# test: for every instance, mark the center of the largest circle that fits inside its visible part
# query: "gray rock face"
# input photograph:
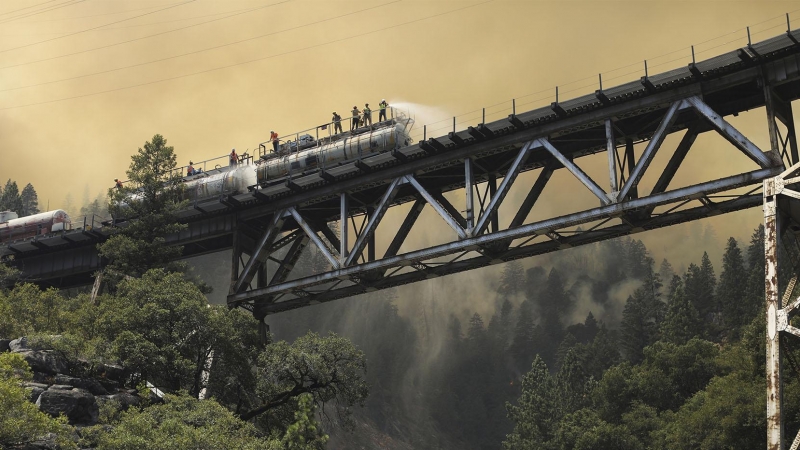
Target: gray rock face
(19, 344)
(111, 372)
(4, 347)
(35, 389)
(45, 361)
(78, 405)
(89, 384)
(124, 399)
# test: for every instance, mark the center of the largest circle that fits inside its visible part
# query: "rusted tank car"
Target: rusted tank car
(13, 228)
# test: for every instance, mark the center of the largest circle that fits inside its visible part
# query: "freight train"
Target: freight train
(302, 156)
(13, 228)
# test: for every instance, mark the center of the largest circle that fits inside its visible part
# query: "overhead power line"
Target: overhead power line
(94, 28)
(143, 37)
(41, 11)
(202, 50)
(323, 44)
(27, 7)
(138, 25)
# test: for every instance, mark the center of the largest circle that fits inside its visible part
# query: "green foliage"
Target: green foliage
(728, 414)
(29, 201)
(147, 204)
(328, 368)
(536, 415)
(21, 421)
(304, 433)
(10, 199)
(181, 423)
(682, 322)
(161, 328)
(26, 309)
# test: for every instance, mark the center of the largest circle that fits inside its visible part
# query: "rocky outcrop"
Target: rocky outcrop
(56, 391)
(78, 405)
(90, 384)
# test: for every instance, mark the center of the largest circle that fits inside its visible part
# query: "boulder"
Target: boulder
(45, 361)
(78, 405)
(124, 399)
(19, 344)
(4, 347)
(35, 389)
(111, 372)
(89, 384)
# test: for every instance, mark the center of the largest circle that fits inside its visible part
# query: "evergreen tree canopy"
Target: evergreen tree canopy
(682, 322)
(10, 199)
(150, 215)
(29, 201)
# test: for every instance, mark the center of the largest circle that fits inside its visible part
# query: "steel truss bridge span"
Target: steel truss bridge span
(485, 162)
(270, 227)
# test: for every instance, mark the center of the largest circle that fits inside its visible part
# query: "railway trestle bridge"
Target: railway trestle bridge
(341, 211)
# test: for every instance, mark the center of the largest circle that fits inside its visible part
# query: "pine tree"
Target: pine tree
(30, 201)
(709, 287)
(512, 280)
(731, 292)
(522, 346)
(699, 286)
(11, 200)
(665, 271)
(537, 414)
(682, 322)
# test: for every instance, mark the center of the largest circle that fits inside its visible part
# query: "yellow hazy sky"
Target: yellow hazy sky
(84, 83)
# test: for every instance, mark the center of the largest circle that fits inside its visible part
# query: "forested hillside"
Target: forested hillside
(599, 347)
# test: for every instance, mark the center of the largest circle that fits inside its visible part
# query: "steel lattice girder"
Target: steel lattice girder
(349, 278)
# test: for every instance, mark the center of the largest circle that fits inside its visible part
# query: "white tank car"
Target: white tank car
(34, 225)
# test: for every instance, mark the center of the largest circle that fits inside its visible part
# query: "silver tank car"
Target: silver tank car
(313, 155)
(329, 152)
(34, 225)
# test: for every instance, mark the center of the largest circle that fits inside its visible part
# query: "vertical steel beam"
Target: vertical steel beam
(575, 170)
(792, 134)
(236, 253)
(611, 149)
(773, 305)
(772, 125)
(629, 160)
(344, 213)
(491, 183)
(469, 182)
(651, 149)
(371, 238)
(505, 186)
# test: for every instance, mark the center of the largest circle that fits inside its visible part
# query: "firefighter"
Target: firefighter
(367, 115)
(273, 136)
(233, 158)
(337, 123)
(382, 113)
(356, 117)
